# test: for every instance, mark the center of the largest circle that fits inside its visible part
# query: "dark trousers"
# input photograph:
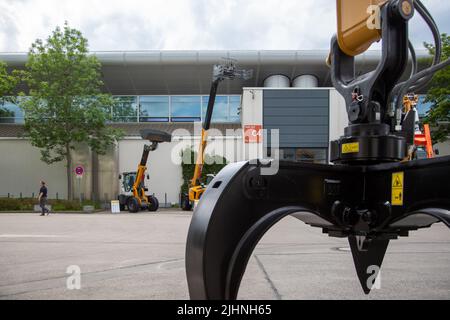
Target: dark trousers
(42, 204)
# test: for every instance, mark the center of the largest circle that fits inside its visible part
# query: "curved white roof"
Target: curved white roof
(189, 72)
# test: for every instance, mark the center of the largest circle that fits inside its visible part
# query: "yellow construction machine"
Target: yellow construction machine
(221, 72)
(134, 193)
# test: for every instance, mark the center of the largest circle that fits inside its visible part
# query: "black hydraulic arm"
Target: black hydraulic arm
(155, 137)
(227, 71)
(145, 153)
(370, 129)
(368, 195)
(211, 101)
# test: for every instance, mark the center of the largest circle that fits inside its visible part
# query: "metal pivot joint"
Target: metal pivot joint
(366, 96)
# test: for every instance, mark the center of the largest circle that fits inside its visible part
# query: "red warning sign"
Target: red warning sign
(253, 133)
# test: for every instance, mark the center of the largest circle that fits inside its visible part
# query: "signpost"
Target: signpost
(79, 171)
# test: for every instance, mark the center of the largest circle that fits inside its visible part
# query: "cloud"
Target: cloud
(189, 25)
(419, 31)
(9, 29)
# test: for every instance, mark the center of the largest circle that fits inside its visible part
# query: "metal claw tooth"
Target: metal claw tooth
(367, 255)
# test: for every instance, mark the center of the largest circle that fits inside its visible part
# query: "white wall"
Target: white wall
(444, 148)
(338, 115)
(21, 170)
(338, 119)
(252, 114)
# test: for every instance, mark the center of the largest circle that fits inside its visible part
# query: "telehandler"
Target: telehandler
(134, 193)
(221, 72)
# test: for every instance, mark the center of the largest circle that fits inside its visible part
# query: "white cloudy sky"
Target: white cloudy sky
(187, 24)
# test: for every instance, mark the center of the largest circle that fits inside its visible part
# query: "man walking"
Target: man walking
(43, 199)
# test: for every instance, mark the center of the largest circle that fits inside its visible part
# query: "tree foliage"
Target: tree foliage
(213, 164)
(8, 83)
(65, 105)
(438, 94)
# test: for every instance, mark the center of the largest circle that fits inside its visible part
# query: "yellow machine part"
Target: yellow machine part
(200, 158)
(354, 35)
(196, 192)
(409, 101)
(139, 193)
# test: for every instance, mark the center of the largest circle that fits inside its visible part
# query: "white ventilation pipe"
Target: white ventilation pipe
(305, 81)
(277, 81)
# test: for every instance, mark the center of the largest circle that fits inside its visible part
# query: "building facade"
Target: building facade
(290, 93)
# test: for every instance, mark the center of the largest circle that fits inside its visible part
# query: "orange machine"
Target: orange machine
(422, 138)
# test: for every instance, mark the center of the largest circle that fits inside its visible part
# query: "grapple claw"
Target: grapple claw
(241, 204)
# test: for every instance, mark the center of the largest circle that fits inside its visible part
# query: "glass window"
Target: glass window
(220, 111)
(310, 155)
(175, 109)
(125, 109)
(153, 109)
(287, 154)
(186, 108)
(10, 113)
(423, 107)
(235, 112)
(303, 155)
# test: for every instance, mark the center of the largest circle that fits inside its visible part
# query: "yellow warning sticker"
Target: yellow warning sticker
(397, 197)
(352, 147)
(397, 180)
(397, 189)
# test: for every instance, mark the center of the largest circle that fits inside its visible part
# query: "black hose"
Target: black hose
(424, 73)
(420, 82)
(414, 68)
(412, 52)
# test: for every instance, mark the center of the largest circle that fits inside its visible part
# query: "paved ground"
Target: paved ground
(142, 257)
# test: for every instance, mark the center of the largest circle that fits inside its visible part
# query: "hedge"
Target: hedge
(216, 163)
(27, 204)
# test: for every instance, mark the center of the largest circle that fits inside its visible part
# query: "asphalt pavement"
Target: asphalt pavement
(141, 256)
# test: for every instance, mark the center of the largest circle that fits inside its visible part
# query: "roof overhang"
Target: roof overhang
(190, 72)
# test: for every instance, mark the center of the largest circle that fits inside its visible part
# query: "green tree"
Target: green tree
(8, 83)
(438, 94)
(66, 106)
(5, 114)
(212, 165)
(125, 109)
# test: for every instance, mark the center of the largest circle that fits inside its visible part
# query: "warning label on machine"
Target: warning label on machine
(397, 189)
(352, 147)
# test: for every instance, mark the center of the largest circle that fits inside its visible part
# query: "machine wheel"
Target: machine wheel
(153, 204)
(123, 201)
(185, 203)
(133, 205)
